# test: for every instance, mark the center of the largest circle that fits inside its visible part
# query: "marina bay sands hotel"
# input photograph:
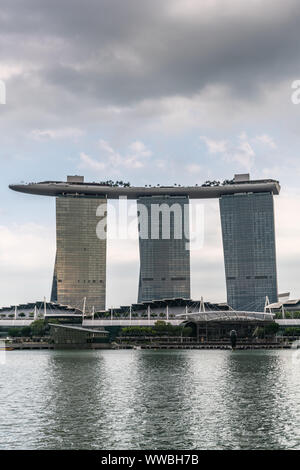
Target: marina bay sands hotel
(247, 220)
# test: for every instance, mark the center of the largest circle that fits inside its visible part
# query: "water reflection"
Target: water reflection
(162, 389)
(258, 400)
(150, 399)
(91, 400)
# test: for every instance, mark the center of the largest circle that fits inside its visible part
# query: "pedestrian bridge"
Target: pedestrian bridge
(126, 322)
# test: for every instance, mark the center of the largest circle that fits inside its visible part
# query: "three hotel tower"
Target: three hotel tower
(247, 220)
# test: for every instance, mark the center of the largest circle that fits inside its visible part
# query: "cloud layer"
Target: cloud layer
(178, 91)
(118, 54)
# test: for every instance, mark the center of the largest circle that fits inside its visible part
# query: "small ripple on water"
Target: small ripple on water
(149, 399)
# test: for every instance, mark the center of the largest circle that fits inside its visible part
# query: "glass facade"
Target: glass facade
(80, 265)
(164, 247)
(249, 249)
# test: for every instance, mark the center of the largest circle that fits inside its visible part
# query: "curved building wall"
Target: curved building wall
(80, 267)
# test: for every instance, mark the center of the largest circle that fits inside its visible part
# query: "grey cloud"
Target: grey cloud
(123, 52)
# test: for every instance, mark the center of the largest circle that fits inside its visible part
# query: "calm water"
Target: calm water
(150, 399)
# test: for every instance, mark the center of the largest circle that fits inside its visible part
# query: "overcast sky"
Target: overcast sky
(173, 91)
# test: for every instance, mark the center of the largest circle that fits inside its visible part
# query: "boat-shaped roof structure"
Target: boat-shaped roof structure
(75, 186)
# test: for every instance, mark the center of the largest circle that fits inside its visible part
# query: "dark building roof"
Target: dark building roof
(40, 305)
(174, 302)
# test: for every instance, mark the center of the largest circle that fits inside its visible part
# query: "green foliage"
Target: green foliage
(288, 315)
(14, 332)
(187, 331)
(39, 328)
(161, 328)
(137, 331)
(268, 330)
(259, 332)
(211, 183)
(272, 329)
(114, 183)
(292, 331)
(26, 331)
(17, 332)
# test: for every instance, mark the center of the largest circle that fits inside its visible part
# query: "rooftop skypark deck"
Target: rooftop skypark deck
(76, 186)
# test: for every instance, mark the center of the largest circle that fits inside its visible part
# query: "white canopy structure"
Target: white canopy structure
(226, 315)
